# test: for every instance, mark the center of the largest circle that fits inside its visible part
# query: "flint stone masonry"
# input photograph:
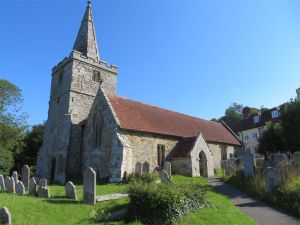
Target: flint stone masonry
(102, 198)
(271, 179)
(26, 176)
(70, 190)
(20, 189)
(32, 186)
(2, 182)
(89, 186)
(5, 217)
(15, 176)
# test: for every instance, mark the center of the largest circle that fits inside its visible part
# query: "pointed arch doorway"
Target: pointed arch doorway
(203, 164)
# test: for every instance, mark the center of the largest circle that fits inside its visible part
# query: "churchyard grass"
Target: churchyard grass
(28, 210)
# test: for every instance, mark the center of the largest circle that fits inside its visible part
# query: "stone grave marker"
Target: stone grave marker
(164, 177)
(43, 192)
(5, 217)
(89, 186)
(43, 182)
(271, 179)
(279, 158)
(20, 188)
(249, 164)
(32, 186)
(168, 168)
(70, 190)
(2, 182)
(11, 186)
(296, 158)
(15, 176)
(138, 168)
(26, 176)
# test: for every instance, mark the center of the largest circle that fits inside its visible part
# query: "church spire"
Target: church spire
(86, 42)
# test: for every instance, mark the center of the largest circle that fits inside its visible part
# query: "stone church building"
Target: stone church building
(89, 125)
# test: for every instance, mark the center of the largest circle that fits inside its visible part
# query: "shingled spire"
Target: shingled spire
(86, 42)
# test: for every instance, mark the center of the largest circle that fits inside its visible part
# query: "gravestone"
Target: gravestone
(296, 158)
(6, 181)
(138, 168)
(229, 166)
(15, 176)
(279, 158)
(32, 186)
(249, 164)
(70, 190)
(26, 176)
(43, 182)
(89, 186)
(43, 192)
(168, 168)
(2, 182)
(146, 167)
(271, 179)
(20, 188)
(5, 217)
(11, 187)
(164, 177)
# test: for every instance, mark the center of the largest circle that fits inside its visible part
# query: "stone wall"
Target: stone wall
(216, 150)
(182, 166)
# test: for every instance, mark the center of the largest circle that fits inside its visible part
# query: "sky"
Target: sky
(191, 56)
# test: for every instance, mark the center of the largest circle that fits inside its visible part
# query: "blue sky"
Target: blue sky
(191, 56)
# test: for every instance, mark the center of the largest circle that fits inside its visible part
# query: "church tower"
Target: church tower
(74, 85)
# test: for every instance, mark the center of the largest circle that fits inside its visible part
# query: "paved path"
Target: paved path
(262, 213)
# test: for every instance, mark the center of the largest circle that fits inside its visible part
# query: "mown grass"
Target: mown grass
(58, 210)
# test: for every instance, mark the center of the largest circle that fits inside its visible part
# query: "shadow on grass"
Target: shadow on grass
(60, 201)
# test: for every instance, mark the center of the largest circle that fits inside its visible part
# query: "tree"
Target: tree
(290, 122)
(12, 124)
(271, 141)
(233, 114)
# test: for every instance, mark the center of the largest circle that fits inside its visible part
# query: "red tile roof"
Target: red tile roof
(138, 116)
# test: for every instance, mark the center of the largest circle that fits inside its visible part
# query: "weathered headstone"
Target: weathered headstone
(26, 176)
(70, 190)
(164, 177)
(11, 186)
(271, 179)
(249, 164)
(5, 217)
(43, 182)
(43, 192)
(2, 182)
(6, 181)
(296, 158)
(168, 168)
(138, 168)
(32, 186)
(15, 176)
(279, 158)
(146, 167)
(228, 166)
(20, 189)
(89, 186)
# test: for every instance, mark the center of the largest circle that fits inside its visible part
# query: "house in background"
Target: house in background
(251, 127)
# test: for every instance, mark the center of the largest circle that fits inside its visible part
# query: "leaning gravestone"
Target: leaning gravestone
(164, 177)
(168, 168)
(11, 187)
(89, 186)
(20, 189)
(271, 179)
(15, 176)
(2, 182)
(70, 190)
(249, 164)
(5, 217)
(32, 186)
(26, 176)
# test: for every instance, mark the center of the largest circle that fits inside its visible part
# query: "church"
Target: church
(89, 125)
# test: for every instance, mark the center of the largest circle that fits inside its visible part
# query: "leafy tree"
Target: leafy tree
(12, 124)
(271, 141)
(233, 114)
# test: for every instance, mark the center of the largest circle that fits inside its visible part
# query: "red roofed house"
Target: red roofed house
(90, 126)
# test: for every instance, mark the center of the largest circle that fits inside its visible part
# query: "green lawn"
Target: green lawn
(28, 210)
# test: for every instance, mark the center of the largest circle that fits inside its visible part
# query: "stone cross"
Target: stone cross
(70, 190)
(89, 186)
(20, 189)
(26, 176)
(5, 217)
(249, 164)
(2, 182)
(271, 179)
(11, 187)
(168, 168)
(32, 186)
(15, 176)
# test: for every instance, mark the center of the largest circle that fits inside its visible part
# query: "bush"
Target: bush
(145, 178)
(6, 161)
(165, 203)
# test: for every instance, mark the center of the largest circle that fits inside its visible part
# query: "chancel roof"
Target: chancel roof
(137, 116)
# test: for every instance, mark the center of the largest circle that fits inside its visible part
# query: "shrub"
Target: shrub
(144, 178)
(165, 203)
